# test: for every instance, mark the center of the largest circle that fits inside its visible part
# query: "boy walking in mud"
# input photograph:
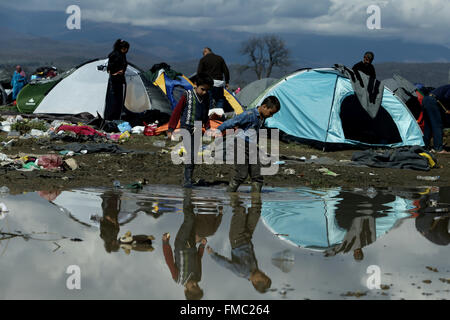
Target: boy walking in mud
(246, 141)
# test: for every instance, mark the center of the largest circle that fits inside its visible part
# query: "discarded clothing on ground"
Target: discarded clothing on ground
(415, 158)
(96, 148)
(82, 130)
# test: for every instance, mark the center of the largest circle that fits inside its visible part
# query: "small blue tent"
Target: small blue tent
(320, 105)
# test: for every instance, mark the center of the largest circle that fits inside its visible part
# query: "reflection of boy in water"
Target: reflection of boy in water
(109, 224)
(186, 268)
(243, 261)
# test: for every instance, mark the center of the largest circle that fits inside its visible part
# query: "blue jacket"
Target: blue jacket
(247, 120)
(242, 263)
(17, 82)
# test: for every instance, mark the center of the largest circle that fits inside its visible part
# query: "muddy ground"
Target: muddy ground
(102, 169)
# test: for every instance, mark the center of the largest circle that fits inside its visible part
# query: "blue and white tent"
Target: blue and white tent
(319, 105)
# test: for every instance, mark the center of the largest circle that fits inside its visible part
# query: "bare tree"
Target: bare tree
(265, 52)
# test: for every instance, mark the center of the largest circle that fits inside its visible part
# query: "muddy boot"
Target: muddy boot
(256, 187)
(188, 172)
(233, 186)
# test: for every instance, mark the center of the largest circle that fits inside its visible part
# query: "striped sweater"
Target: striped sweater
(188, 110)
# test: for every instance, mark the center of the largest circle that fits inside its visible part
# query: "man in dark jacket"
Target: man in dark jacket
(366, 65)
(215, 66)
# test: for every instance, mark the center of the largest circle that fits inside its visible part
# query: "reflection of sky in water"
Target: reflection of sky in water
(36, 269)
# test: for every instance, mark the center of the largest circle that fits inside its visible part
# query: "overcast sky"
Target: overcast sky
(417, 20)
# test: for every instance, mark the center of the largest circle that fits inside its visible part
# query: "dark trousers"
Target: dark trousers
(185, 237)
(192, 154)
(216, 97)
(243, 224)
(115, 99)
(433, 123)
(242, 171)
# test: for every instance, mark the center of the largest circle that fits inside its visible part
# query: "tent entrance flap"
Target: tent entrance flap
(359, 126)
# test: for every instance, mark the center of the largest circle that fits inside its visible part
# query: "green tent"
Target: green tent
(32, 95)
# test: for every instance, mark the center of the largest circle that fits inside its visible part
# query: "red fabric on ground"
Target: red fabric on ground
(82, 130)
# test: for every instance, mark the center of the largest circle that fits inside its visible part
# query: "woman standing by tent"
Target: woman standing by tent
(117, 66)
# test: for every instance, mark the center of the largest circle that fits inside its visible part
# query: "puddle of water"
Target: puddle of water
(315, 244)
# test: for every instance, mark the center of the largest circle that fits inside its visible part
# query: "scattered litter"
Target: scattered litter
(8, 144)
(125, 136)
(327, 172)
(4, 190)
(4, 157)
(138, 130)
(68, 153)
(116, 184)
(289, 171)
(13, 134)
(70, 164)
(3, 211)
(37, 133)
(428, 178)
(150, 129)
(124, 127)
(279, 162)
(314, 157)
(159, 143)
(50, 162)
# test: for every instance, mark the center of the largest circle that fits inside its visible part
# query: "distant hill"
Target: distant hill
(429, 74)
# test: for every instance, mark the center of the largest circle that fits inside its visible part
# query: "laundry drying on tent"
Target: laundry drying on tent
(171, 82)
(84, 89)
(321, 107)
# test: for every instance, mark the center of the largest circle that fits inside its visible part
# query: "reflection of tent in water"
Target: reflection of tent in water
(321, 220)
(85, 207)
